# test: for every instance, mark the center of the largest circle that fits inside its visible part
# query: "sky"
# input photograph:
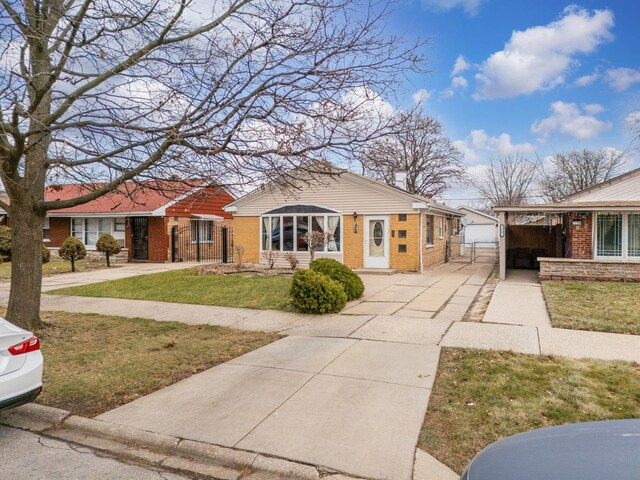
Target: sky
(530, 77)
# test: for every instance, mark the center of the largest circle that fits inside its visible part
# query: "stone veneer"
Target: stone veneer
(598, 270)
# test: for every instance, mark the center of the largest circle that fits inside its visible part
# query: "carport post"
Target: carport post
(502, 240)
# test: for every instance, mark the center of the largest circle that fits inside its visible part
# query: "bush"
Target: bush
(46, 254)
(314, 292)
(5, 241)
(72, 250)
(352, 284)
(108, 245)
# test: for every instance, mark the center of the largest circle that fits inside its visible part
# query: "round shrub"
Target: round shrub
(46, 254)
(314, 292)
(108, 245)
(5, 241)
(72, 250)
(352, 284)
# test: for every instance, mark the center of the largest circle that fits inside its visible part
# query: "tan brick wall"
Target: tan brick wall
(353, 243)
(565, 269)
(434, 254)
(246, 232)
(410, 260)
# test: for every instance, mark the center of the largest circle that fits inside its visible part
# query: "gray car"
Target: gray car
(608, 450)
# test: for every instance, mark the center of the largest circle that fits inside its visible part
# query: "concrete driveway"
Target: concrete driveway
(350, 399)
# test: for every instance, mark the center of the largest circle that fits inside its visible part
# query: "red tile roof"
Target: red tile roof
(129, 198)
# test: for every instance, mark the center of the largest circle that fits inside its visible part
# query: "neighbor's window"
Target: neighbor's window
(430, 228)
(634, 234)
(45, 229)
(287, 232)
(88, 230)
(201, 231)
(441, 227)
(609, 235)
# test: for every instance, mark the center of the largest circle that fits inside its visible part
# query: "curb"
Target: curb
(176, 453)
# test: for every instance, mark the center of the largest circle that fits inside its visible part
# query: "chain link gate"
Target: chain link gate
(202, 241)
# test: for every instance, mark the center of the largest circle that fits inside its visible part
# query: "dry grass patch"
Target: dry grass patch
(94, 363)
(482, 396)
(242, 290)
(598, 306)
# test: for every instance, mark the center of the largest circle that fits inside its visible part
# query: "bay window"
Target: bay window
(287, 233)
(617, 235)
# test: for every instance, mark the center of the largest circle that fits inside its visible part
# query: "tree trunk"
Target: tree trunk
(108, 263)
(26, 267)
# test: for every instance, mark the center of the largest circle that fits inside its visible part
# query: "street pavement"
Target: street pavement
(36, 457)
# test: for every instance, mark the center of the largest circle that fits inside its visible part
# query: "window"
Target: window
(402, 234)
(45, 229)
(430, 226)
(441, 228)
(201, 231)
(88, 230)
(402, 248)
(402, 217)
(287, 233)
(119, 224)
(609, 237)
(634, 234)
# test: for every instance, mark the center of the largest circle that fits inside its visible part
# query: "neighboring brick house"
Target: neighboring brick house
(139, 216)
(372, 225)
(596, 232)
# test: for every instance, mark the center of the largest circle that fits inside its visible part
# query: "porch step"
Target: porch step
(376, 271)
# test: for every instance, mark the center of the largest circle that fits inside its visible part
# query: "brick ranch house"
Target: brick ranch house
(591, 235)
(372, 225)
(140, 216)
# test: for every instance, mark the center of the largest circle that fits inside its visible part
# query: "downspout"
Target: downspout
(421, 249)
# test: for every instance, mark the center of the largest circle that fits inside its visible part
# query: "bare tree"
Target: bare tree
(316, 241)
(571, 172)
(422, 151)
(101, 92)
(507, 181)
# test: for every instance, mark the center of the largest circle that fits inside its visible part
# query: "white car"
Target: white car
(20, 366)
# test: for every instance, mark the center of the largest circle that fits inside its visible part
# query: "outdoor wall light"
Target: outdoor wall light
(355, 222)
(502, 230)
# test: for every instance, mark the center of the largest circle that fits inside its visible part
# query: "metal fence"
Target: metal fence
(202, 241)
(480, 250)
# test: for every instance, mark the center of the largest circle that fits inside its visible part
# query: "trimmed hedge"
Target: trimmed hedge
(351, 282)
(5, 241)
(46, 254)
(314, 292)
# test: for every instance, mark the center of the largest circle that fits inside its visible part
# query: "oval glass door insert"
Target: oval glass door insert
(376, 238)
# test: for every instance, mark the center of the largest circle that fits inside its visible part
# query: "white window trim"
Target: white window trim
(441, 228)
(47, 227)
(84, 229)
(210, 225)
(295, 230)
(429, 225)
(625, 238)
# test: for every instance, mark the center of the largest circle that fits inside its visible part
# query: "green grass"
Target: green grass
(94, 363)
(598, 306)
(482, 396)
(187, 286)
(55, 266)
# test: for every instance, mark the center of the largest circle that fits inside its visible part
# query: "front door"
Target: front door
(376, 242)
(140, 231)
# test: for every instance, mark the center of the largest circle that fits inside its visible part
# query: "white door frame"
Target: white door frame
(376, 262)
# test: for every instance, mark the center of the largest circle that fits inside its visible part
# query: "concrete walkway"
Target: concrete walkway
(347, 392)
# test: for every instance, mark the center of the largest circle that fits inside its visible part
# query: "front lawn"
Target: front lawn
(94, 363)
(482, 396)
(244, 290)
(599, 306)
(55, 266)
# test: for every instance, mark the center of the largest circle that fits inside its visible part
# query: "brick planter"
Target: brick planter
(595, 270)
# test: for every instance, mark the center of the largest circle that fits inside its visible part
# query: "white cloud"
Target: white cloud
(479, 145)
(570, 119)
(633, 118)
(421, 96)
(460, 66)
(539, 58)
(459, 82)
(622, 78)
(470, 6)
(586, 80)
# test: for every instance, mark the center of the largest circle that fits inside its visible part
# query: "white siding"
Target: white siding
(625, 189)
(341, 194)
